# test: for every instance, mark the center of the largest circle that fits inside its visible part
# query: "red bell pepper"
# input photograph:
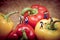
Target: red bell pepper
(25, 31)
(42, 10)
(12, 35)
(34, 14)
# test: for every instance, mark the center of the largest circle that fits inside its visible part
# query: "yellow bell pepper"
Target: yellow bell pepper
(48, 29)
(6, 24)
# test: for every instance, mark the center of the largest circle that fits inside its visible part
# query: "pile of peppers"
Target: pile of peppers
(35, 24)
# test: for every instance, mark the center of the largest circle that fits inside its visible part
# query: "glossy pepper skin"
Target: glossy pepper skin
(12, 35)
(34, 14)
(28, 30)
(42, 10)
(48, 29)
(25, 31)
(6, 25)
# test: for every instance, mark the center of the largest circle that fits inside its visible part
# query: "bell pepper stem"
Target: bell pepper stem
(52, 24)
(24, 35)
(30, 10)
(7, 15)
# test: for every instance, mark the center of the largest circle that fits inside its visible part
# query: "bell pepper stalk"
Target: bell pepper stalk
(24, 36)
(49, 30)
(33, 11)
(24, 30)
(7, 15)
(6, 24)
(52, 24)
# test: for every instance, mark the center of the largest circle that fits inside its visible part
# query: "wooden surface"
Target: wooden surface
(7, 6)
